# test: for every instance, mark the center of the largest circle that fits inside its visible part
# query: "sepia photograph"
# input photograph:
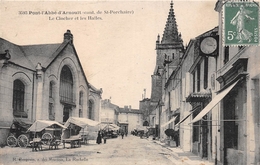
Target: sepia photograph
(138, 82)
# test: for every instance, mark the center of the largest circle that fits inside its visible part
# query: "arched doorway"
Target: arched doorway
(145, 123)
(66, 92)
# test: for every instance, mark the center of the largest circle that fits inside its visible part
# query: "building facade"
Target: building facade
(130, 119)
(238, 117)
(144, 106)
(42, 82)
(94, 103)
(109, 112)
(200, 94)
(169, 51)
(216, 95)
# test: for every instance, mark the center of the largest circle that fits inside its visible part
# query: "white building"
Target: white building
(129, 119)
(42, 82)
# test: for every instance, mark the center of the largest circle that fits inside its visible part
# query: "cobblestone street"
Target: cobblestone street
(118, 151)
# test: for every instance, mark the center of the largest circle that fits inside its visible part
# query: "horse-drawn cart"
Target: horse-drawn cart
(45, 132)
(77, 131)
(18, 135)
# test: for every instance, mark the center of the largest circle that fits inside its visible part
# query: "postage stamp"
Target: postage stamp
(241, 23)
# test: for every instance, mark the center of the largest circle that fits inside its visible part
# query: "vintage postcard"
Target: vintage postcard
(138, 82)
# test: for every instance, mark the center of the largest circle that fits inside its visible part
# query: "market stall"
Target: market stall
(45, 132)
(78, 130)
(110, 130)
(142, 131)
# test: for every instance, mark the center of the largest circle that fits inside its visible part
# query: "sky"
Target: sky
(118, 52)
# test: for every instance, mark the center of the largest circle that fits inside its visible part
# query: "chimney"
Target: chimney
(68, 36)
(130, 108)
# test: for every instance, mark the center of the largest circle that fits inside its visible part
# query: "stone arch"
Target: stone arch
(23, 77)
(145, 123)
(84, 105)
(67, 86)
(92, 96)
(73, 68)
(69, 109)
(27, 81)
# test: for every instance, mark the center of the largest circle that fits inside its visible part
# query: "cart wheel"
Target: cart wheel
(23, 141)
(46, 138)
(11, 141)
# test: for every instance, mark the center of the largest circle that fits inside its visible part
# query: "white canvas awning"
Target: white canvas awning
(170, 121)
(81, 122)
(115, 127)
(213, 103)
(40, 125)
(109, 127)
(182, 120)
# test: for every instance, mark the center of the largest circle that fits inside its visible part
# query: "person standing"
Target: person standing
(176, 138)
(122, 134)
(99, 138)
(104, 136)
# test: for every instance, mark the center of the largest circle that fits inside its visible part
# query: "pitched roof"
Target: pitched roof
(29, 56)
(40, 53)
(17, 54)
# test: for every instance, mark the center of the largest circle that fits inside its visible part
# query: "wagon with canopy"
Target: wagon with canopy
(46, 132)
(142, 131)
(18, 135)
(78, 130)
(110, 130)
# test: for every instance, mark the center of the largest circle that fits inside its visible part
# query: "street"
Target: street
(117, 151)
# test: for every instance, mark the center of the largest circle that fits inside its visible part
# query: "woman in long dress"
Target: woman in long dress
(99, 138)
(239, 21)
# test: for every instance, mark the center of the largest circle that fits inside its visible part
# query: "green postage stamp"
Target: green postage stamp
(241, 23)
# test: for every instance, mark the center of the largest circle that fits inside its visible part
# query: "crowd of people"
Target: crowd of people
(104, 134)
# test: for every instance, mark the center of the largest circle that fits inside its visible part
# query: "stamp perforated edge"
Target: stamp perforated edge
(223, 21)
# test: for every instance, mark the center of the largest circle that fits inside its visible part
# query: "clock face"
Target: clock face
(208, 45)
